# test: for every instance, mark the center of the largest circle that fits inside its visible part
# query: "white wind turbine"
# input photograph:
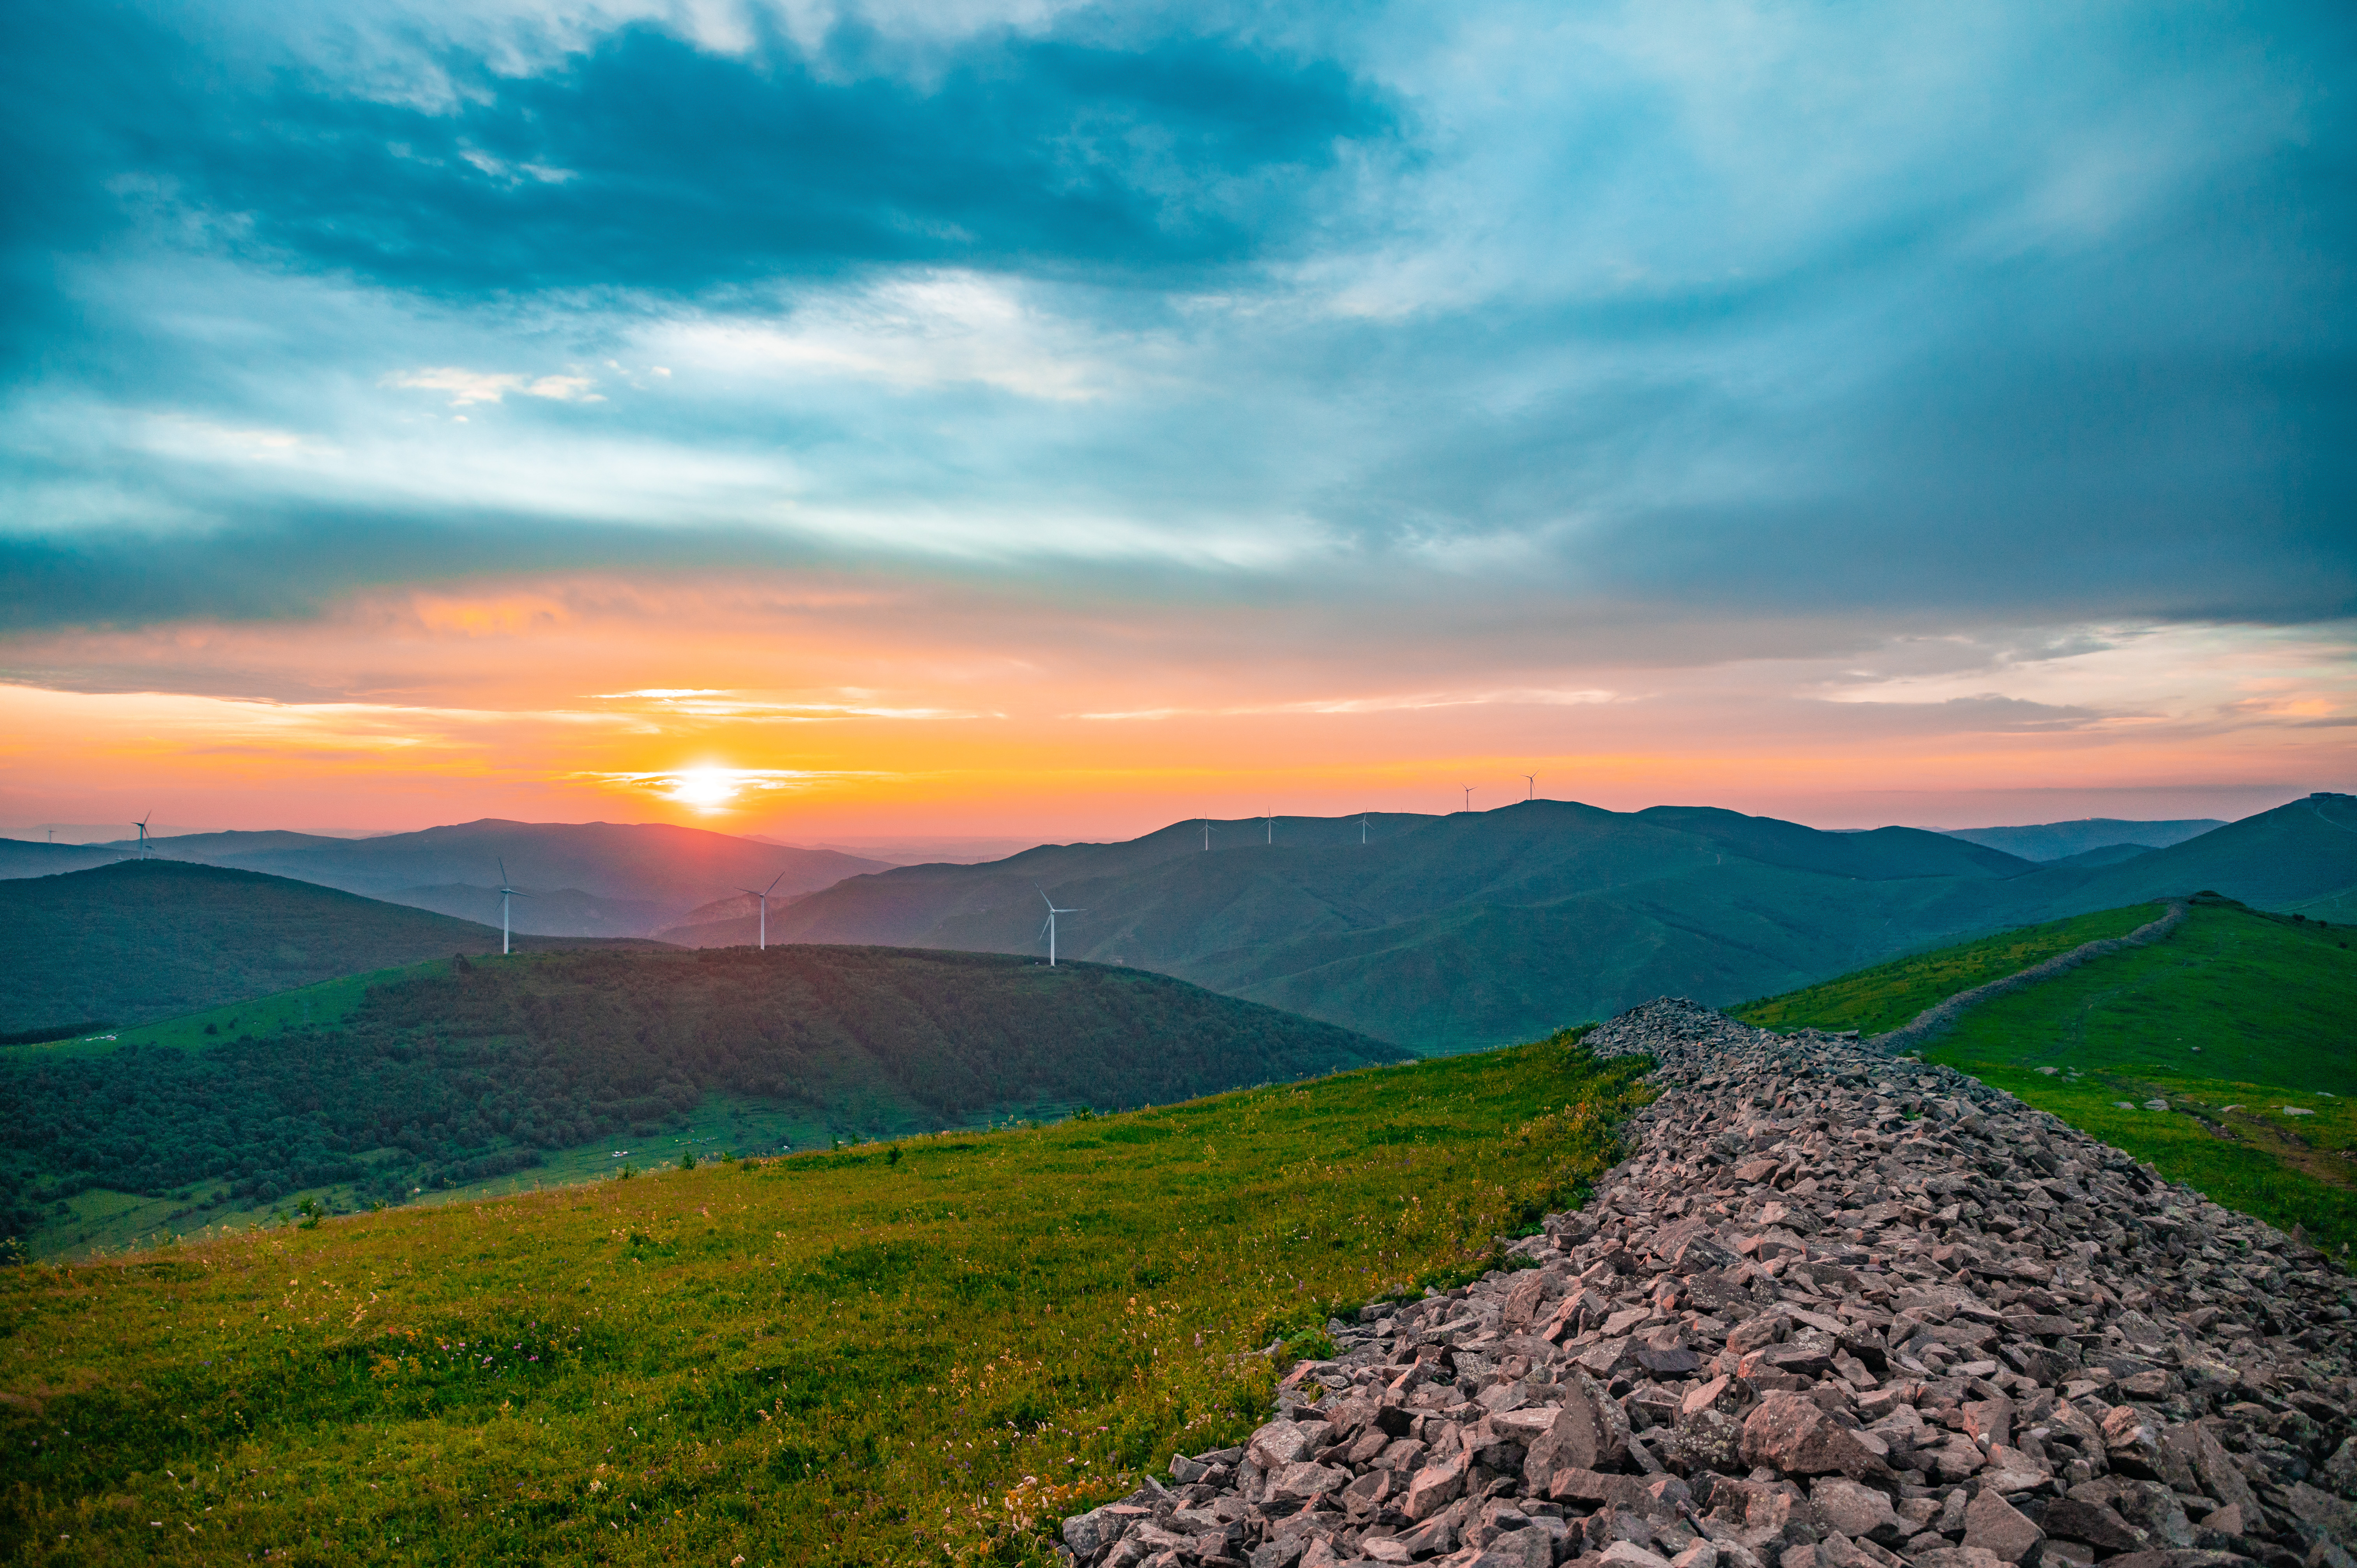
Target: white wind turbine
(1469, 797)
(1530, 786)
(1207, 834)
(764, 897)
(506, 892)
(1049, 930)
(1270, 818)
(1363, 831)
(146, 844)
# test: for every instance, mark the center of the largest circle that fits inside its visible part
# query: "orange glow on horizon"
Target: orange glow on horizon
(839, 712)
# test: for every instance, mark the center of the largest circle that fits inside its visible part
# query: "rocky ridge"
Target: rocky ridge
(1838, 1310)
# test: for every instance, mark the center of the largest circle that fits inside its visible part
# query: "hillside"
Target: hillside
(20, 858)
(1454, 932)
(586, 879)
(450, 1073)
(2047, 841)
(852, 1357)
(134, 941)
(2222, 1053)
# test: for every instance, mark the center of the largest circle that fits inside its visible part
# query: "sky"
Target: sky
(989, 418)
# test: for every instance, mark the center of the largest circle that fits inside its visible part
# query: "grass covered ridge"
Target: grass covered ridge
(2237, 1008)
(925, 1352)
(2241, 1024)
(1887, 997)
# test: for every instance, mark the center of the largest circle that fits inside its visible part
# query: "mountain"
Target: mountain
(141, 939)
(467, 1068)
(2109, 854)
(1450, 933)
(2291, 856)
(585, 878)
(2058, 840)
(19, 857)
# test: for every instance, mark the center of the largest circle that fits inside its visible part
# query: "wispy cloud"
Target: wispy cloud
(467, 388)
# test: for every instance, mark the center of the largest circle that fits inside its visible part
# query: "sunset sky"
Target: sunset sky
(853, 422)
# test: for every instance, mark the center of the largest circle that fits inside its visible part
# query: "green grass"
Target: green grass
(838, 1358)
(2236, 1015)
(2235, 1008)
(330, 1002)
(1878, 1000)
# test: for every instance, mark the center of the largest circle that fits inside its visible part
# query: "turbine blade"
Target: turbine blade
(1043, 927)
(773, 884)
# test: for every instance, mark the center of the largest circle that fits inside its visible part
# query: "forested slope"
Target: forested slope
(465, 1070)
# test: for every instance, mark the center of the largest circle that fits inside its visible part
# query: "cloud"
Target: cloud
(467, 388)
(633, 155)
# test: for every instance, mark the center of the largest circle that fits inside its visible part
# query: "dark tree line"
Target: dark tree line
(472, 1071)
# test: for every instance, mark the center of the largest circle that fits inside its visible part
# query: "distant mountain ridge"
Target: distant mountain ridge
(1481, 927)
(587, 879)
(2047, 842)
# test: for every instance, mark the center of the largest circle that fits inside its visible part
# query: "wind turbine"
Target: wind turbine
(1049, 930)
(1270, 818)
(1469, 797)
(146, 846)
(764, 897)
(1207, 835)
(506, 892)
(1363, 831)
(1530, 786)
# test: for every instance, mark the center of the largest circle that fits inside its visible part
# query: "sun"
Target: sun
(705, 788)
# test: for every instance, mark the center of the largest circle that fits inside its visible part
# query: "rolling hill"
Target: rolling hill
(587, 879)
(458, 1069)
(2221, 1052)
(140, 939)
(20, 857)
(1452, 932)
(2060, 841)
(844, 1357)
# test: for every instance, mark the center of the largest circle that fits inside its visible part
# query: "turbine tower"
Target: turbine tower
(506, 892)
(146, 844)
(763, 895)
(1469, 797)
(1207, 835)
(1049, 930)
(1270, 818)
(1362, 830)
(1530, 786)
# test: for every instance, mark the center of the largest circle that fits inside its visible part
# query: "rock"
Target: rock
(1996, 1525)
(1303, 1481)
(1435, 1486)
(2099, 1526)
(1628, 1555)
(1959, 1323)
(1792, 1434)
(1590, 1430)
(1854, 1511)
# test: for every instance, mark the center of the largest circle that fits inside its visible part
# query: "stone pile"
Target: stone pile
(1838, 1311)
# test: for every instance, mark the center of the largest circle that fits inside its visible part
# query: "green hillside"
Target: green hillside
(923, 1353)
(1878, 1000)
(446, 1075)
(1456, 932)
(143, 940)
(2225, 1054)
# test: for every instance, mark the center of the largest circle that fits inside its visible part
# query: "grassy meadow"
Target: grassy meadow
(1878, 1000)
(921, 1352)
(2225, 1055)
